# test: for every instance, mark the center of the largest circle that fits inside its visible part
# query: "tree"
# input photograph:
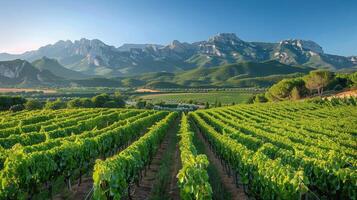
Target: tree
(141, 104)
(111, 104)
(33, 104)
(317, 80)
(149, 106)
(7, 101)
(100, 100)
(353, 78)
(86, 103)
(260, 98)
(80, 103)
(119, 100)
(295, 94)
(74, 103)
(17, 107)
(282, 90)
(106, 101)
(55, 105)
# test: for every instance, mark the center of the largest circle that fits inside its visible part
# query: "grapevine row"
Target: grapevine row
(113, 176)
(192, 178)
(24, 174)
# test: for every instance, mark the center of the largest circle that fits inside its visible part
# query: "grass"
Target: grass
(219, 191)
(160, 188)
(225, 97)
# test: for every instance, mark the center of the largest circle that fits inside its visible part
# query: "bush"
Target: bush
(283, 89)
(119, 100)
(141, 104)
(260, 98)
(55, 105)
(149, 106)
(80, 103)
(295, 94)
(7, 101)
(17, 108)
(111, 104)
(104, 100)
(100, 100)
(338, 87)
(74, 103)
(33, 105)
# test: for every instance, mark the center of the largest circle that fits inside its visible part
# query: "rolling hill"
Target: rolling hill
(49, 73)
(54, 67)
(244, 74)
(21, 73)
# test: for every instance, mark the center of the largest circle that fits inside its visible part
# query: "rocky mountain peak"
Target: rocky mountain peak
(181, 47)
(353, 59)
(175, 43)
(93, 57)
(224, 37)
(63, 43)
(90, 43)
(303, 45)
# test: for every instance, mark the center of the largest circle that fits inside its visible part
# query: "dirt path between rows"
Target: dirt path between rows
(174, 189)
(143, 191)
(85, 190)
(227, 181)
(146, 185)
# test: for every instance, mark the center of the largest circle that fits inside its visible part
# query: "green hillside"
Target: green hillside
(245, 74)
(56, 68)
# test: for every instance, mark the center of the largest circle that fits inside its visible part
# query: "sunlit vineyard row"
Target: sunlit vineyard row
(286, 150)
(289, 150)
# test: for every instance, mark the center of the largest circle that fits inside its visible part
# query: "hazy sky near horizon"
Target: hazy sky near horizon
(30, 24)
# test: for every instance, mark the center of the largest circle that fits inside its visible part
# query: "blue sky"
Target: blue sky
(29, 24)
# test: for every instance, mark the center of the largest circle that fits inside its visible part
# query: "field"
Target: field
(8, 90)
(262, 151)
(226, 98)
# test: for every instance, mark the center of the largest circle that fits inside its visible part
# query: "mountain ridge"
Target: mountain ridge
(94, 57)
(46, 72)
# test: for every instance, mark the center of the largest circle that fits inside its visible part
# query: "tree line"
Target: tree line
(313, 84)
(99, 101)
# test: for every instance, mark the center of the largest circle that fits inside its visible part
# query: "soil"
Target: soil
(143, 191)
(84, 190)
(352, 93)
(237, 193)
(5, 90)
(146, 90)
(176, 166)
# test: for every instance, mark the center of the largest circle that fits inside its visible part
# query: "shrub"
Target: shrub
(33, 104)
(338, 87)
(111, 104)
(283, 89)
(104, 100)
(260, 98)
(55, 105)
(7, 101)
(16, 108)
(100, 100)
(141, 104)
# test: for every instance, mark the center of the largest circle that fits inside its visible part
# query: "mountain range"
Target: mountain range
(46, 72)
(94, 58)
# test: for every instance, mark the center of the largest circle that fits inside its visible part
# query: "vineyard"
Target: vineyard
(260, 151)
